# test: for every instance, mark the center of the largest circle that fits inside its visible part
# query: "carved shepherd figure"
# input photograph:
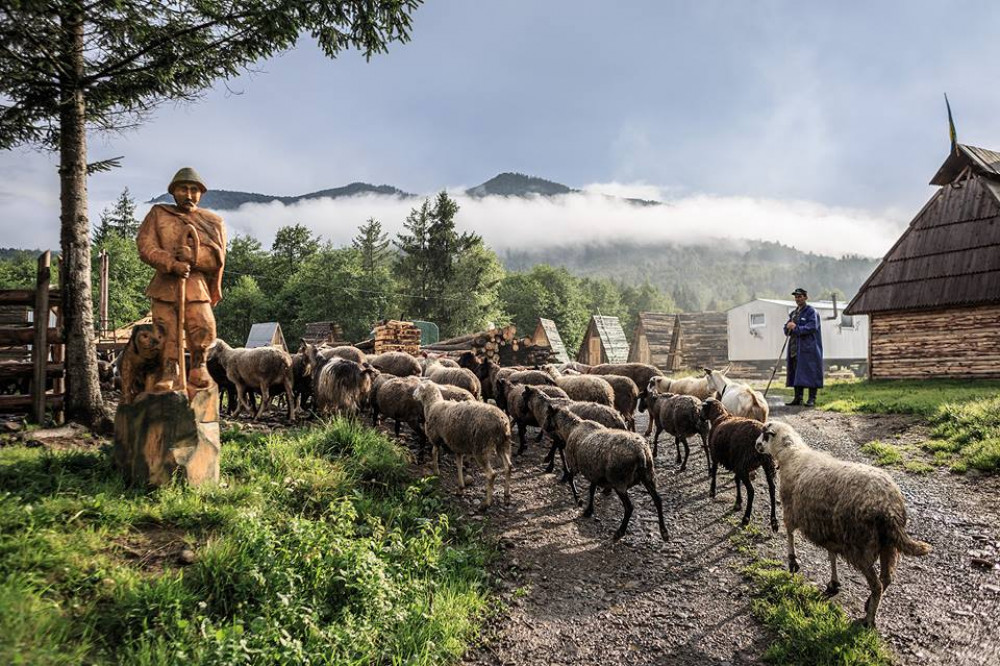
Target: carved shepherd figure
(140, 362)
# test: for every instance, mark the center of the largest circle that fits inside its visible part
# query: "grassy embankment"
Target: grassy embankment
(319, 547)
(808, 629)
(964, 418)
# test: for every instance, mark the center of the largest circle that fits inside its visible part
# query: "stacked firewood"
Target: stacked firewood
(500, 345)
(393, 335)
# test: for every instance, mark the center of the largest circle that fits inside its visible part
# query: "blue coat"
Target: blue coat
(809, 366)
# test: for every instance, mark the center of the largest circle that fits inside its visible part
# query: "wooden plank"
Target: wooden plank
(25, 296)
(24, 402)
(25, 335)
(40, 349)
(26, 369)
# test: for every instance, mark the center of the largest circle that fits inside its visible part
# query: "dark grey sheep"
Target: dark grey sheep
(681, 417)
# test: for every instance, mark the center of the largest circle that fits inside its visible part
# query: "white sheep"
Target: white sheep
(738, 399)
(849, 509)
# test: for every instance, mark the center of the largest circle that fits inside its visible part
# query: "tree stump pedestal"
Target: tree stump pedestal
(162, 436)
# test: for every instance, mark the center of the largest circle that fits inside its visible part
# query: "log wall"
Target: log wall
(952, 342)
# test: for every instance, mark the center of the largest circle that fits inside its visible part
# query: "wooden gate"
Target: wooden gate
(33, 354)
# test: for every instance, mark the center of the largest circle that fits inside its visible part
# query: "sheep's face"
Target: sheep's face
(711, 409)
(772, 440)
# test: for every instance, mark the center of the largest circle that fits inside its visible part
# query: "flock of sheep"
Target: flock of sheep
(853, 511)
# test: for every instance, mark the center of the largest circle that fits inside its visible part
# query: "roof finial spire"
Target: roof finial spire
(952, 134)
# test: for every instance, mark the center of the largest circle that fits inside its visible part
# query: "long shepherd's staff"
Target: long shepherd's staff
(192, 233)
(776, 364)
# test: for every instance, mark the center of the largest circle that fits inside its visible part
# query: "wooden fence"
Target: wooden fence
(47, 353)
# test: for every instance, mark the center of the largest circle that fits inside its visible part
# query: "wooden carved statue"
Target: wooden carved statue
(187, 247)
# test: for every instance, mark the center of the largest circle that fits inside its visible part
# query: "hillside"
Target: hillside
(712, 276)
(517, 185)
(231, 200)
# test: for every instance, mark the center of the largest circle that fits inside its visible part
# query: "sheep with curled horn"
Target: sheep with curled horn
(851, 510)
(467, 428)
(614, 459)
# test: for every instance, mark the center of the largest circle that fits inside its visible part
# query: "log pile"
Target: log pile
(393, 335)
(500, 345)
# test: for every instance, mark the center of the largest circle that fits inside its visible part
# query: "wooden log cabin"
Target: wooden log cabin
(687, 340)
(934, 300)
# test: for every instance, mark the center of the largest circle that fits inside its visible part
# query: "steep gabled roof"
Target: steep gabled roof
(980, 160)
(949, 255)
(555, 340)
(266, 334)
(612, 338)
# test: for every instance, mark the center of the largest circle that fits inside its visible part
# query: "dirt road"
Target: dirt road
(574, 597)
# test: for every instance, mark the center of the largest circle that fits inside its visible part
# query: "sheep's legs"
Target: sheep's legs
(572, 487)
(739, 493)
(434, 458)
(793, 562)
(769, 474)
(871, 605)
(460, 464)
(651, 489)
(520, 438)
(708, 454)
(687, 452)
(589, 511)
(712, 474)
(491, 475)
(241, 398)
(888, 557)
(834, 586)
(550, 458)
(655, 438)
(541, 436)
(505, 457)
(750, 493)
(265, 399)
(627, 503)
(291, 400)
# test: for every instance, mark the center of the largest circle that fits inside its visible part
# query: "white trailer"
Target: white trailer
(756, 334)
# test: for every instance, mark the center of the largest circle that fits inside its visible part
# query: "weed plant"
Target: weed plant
(318, 548)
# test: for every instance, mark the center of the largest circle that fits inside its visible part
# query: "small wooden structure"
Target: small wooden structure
(266, 334)
(604, 342)
(318, 332)
(685, 340)
(43, 337)
(547, 335)
(756, 336)
(934, 300)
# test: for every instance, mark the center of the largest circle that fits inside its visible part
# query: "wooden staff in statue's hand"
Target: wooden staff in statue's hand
(187, 255)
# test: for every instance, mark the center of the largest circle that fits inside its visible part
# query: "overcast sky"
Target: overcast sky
(828, 117)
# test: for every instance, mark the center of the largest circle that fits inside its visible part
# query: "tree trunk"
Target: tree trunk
(83, 393)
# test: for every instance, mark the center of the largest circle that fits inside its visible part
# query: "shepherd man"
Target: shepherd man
(805, 349)
(187, 247)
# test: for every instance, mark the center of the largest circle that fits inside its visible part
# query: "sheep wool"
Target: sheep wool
(852, 510)
(259, 368)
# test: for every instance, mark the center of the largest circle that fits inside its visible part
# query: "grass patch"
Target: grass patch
(320, 548)
(808, 629)
(964, 415)
(885, 454)
(918, 467)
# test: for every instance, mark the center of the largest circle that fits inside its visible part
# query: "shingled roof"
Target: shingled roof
(950, 254)
(554, 339)
(612, 338)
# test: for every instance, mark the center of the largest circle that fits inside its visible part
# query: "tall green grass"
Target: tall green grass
(319, 548)
(964, 415)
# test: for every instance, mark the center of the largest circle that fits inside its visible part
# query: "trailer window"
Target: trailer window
(846, 321)
(756, 319)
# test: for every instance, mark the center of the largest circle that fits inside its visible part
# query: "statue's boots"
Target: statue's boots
(198, 376)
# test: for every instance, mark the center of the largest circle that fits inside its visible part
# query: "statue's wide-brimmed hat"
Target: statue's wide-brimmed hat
(187, 175)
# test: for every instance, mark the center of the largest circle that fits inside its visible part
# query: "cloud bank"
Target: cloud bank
(593, 216)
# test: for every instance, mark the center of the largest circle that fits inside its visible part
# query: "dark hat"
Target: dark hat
(800, 292)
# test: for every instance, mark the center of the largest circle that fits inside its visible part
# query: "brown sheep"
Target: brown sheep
(459, 377)
(732, 442)
(396, 363)
(608, 458)
(258, 368)
(348, 352)
(587, 388)
(681, 417)
(510, 399)
(626, 397)
(852, 510)
(467, 428)
(640, 373)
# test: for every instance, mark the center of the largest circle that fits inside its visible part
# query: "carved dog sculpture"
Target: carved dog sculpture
(140, 362)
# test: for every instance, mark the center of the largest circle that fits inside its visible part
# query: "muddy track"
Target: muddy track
(575, 597)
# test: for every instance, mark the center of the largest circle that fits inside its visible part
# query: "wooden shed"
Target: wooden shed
(323, 331)
(547, 334)
(266, 334)
(679, 341)
(934, 300)
(604, 342)
(652, 338)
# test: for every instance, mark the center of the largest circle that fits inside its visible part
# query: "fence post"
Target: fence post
(40, 348)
